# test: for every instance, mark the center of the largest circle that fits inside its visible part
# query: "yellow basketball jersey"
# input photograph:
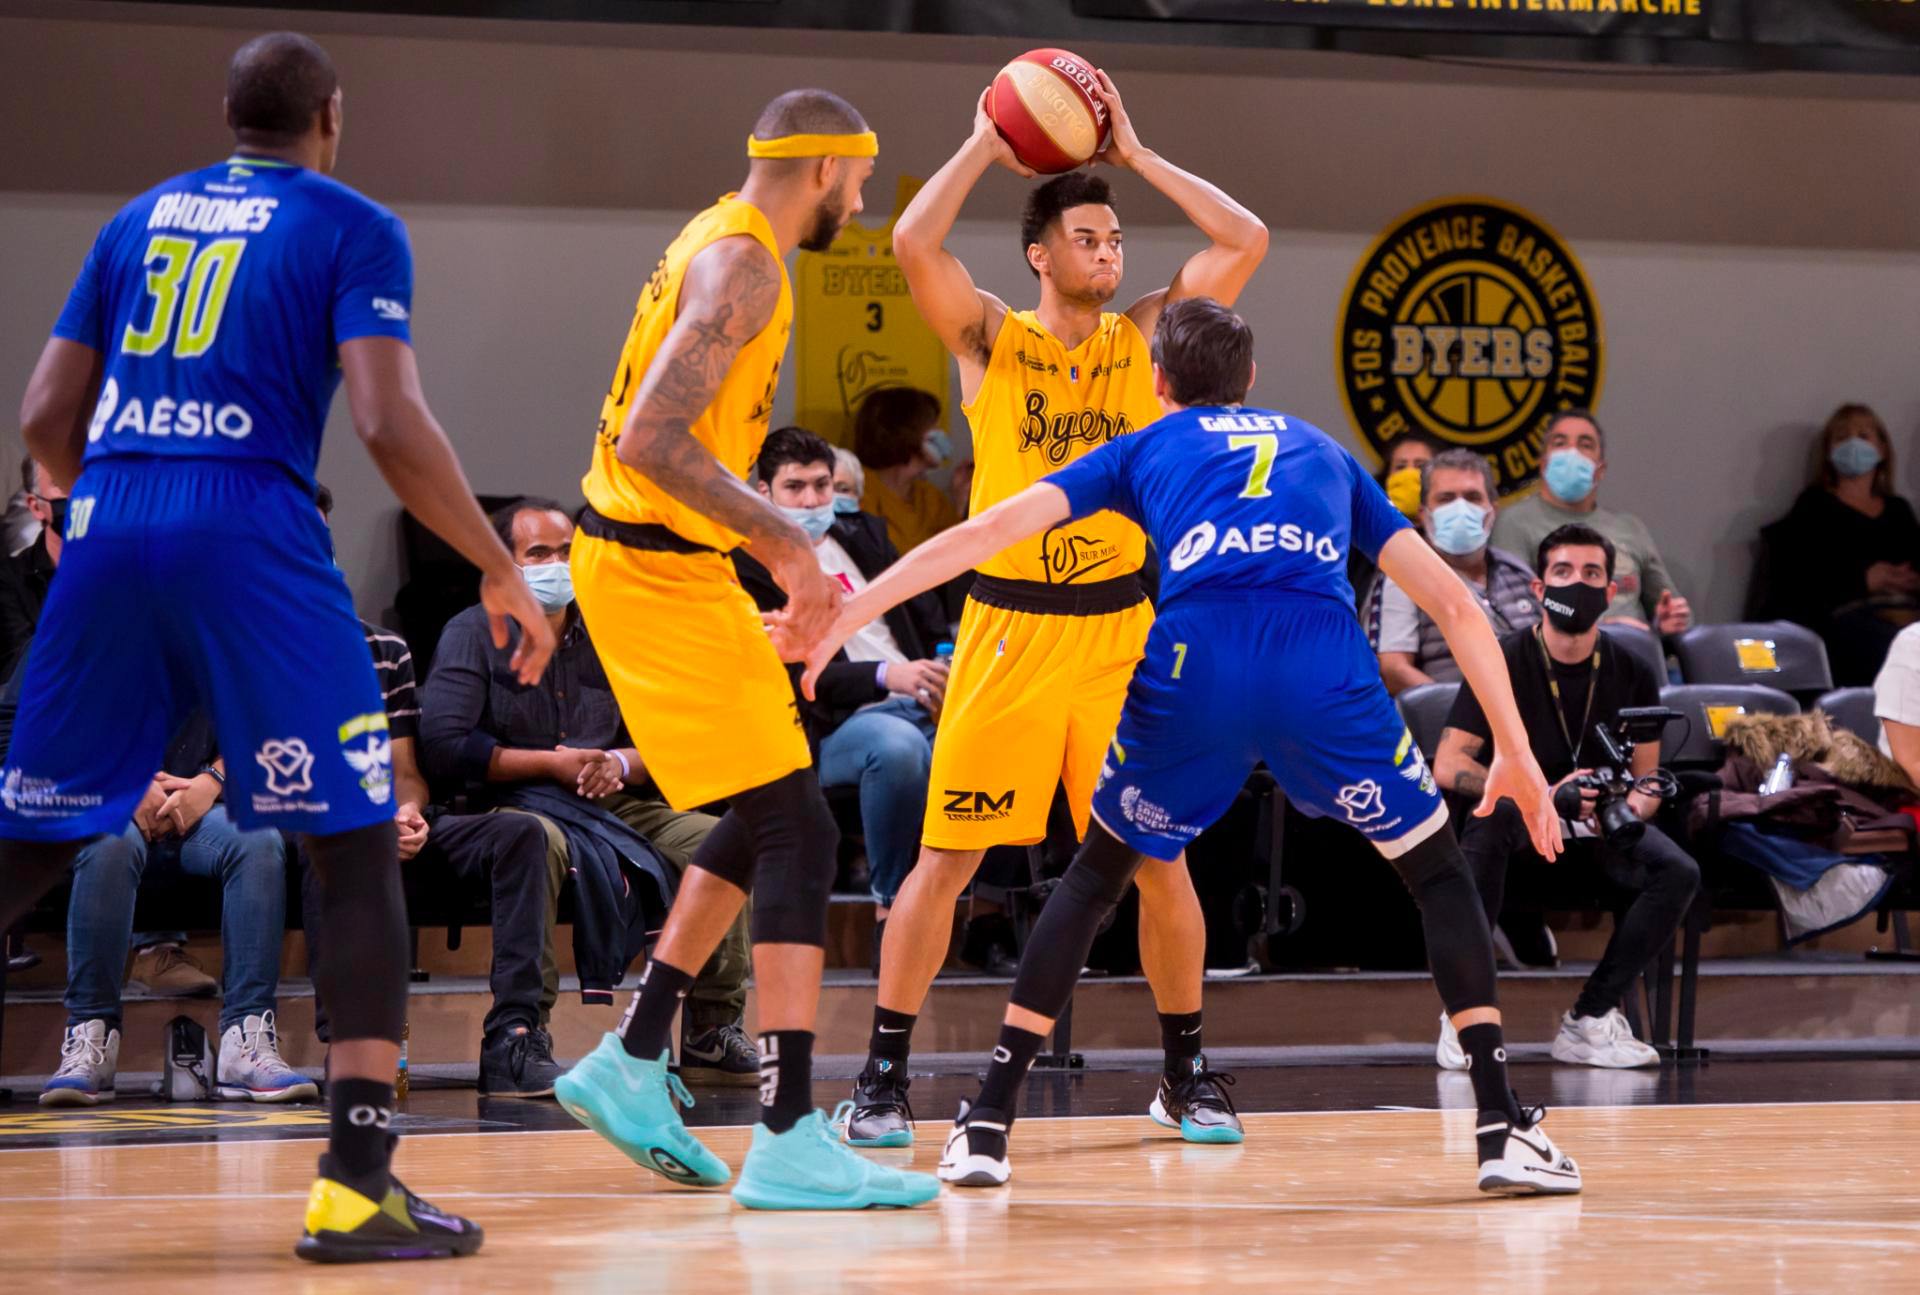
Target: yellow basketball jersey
(1041, 406)
(734, 424)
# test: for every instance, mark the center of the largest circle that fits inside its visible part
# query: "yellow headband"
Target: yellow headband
(865, 144)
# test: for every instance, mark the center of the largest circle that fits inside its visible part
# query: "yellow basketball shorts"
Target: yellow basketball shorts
(1032, 702)
(705, 697)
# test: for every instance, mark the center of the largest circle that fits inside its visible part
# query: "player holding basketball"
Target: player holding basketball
(1055, 624)
(705, 695)
(1255, 655)
(182, 399)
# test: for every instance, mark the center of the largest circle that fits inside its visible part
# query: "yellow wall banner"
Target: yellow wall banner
(1469, 321)
(855, 329)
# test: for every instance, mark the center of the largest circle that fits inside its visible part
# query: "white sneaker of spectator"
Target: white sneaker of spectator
(89, 1058)
(1601, 1041)
(251, 1069)
(1448, 1053)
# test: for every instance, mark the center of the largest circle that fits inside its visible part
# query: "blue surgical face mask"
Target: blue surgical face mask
(1569, 475)
(1460, 527)
(939, 445)
(844, 504)
(552, 585)
(1854, 457)
(814, 521)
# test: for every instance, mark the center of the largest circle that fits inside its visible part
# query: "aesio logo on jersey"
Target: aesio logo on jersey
(1264, 538)
(168, 417)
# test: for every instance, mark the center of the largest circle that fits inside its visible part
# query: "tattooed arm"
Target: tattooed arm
(1456, 765)
(965, 318)
(728, 296)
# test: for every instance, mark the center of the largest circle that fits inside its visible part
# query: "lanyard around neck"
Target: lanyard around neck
(1553, 685)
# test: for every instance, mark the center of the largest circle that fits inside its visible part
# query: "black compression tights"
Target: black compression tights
(1459, 945)
(1092, 888)
(363, 978)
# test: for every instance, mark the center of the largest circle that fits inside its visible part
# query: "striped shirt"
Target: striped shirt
(393, 667)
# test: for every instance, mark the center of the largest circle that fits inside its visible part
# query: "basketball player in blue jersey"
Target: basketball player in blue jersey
(1255, 655)
(181, 401)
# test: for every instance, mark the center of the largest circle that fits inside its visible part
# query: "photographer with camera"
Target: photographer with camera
(1592, 714)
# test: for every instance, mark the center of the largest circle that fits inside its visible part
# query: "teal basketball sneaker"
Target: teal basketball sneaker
(1197, 1104)
(809, 1168)
(630, 1103)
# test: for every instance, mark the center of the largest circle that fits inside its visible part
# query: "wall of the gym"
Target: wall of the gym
(1749, 238)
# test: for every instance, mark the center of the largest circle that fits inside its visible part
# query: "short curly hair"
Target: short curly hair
(1047, 201)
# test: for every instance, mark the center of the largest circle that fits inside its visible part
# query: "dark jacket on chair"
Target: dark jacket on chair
(919, 624)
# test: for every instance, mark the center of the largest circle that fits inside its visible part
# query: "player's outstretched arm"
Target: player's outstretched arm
(1409, 562)
(393, 421)
(1237, 239)
(1037, 508)
(964, 318)
(58, 404)
(728, 295)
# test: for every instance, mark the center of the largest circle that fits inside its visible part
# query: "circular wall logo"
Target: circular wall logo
(1471, 321)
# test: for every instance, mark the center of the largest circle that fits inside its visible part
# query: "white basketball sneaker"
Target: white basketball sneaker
(1528, 1164)
(89, 1058)
(1601, 1041)
(976, 1150)
(1447, 1052)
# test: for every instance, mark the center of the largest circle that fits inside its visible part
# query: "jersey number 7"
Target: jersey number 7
(1265, 445)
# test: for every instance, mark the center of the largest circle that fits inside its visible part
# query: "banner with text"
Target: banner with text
(1670, 19)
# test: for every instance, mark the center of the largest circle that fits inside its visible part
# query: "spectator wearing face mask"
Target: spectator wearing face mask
(897, 436)
(1573, 466)
(25, 576)
(1399, 476)
(1845, 562)
(1456, 515)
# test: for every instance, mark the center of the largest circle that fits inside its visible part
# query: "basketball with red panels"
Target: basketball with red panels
(1046, 106)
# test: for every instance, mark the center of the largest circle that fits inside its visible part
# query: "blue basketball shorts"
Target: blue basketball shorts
(1227, 684)
(188, 583)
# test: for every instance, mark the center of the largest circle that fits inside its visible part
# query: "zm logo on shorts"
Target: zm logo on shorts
(977, 806)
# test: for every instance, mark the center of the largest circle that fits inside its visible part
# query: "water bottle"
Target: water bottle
(943, 653)
(1780, 778)
(400, 1075)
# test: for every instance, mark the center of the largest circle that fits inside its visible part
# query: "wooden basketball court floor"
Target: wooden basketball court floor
(1742, 1197)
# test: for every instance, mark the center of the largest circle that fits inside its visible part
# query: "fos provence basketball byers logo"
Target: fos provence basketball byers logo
(1472, 322)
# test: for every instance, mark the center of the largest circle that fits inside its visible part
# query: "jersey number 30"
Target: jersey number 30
(209, 278)
(1265, 445)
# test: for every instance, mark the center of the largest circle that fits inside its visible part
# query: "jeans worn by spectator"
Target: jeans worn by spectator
(887, 751)
(251, 868)
(1665, 876)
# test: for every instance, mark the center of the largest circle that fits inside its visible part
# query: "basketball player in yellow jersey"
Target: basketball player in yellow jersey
(696, 675)
(1053, 627)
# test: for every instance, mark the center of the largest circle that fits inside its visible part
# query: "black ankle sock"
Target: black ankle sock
(1180, 1038)
(1588, 1005)
(892, 1036)
(1012, 1058)
(786, 1078)
(649, 1020)
(1486, 1050)
(359, 1146)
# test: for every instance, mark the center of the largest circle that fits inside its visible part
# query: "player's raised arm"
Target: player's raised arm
(1408, 561)
(965, 318)
(1039, 507)
(1238, 238)
(59, 400)
(393, 421)
(729, 294)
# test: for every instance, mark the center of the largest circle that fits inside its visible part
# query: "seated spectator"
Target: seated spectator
(1845, 562)
(1573, 466)
(849, 481)
(897, 436)
(1896, 702)
(1568, 678)
(1456, 515)
(25, 576)
(1399, 476)
(875, 709)
(559, 752)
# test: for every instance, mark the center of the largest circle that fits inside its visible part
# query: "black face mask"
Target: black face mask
(1574, 608)
(59, 509)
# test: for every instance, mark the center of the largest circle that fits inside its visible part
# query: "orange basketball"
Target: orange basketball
(1045, 106)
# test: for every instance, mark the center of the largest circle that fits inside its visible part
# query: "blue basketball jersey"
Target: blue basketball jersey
(220, 299)
(1239, 502)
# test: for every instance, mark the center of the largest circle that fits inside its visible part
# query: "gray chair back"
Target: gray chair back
(1774, 654)
(1708, 706)
(1644, 644)
(1852, 709)
(1425, 709)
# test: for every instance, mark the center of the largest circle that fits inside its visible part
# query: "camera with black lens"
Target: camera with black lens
(1612, 779)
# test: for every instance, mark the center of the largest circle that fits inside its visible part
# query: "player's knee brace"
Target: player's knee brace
(796, 842)
(1459, 946)
(363, 978)
(1092, 888)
